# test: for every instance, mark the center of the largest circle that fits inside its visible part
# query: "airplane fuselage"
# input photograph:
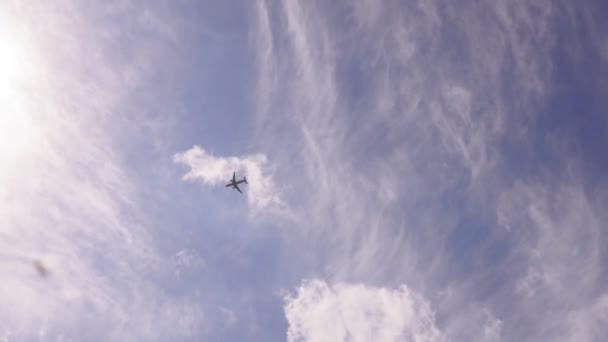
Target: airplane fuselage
(235, 184)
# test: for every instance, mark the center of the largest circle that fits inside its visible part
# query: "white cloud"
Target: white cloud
(588, 323)
(229, 317)
(492, 329)
(558, 258)
(560, 236)
(188, 258)
(353, 312)
(261, 192)
(70, 200)
(405, 116)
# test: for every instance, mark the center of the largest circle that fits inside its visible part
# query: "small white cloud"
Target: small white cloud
(321, 312)
(262, 194)
(228, 316)
(188, 258)
(492, 328)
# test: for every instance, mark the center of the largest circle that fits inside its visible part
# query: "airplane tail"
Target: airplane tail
(245, 179)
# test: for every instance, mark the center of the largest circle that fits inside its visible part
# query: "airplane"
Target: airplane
(235, 184)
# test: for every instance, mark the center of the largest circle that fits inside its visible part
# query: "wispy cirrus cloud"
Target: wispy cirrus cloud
(71, 202)
(558, 260)
(422, 154)
(416, 129)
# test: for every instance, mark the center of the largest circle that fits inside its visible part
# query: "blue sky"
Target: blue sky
(418, 171)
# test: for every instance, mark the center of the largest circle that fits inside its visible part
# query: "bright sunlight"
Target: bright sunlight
(16, 127)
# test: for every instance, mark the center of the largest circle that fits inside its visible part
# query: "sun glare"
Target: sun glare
(12, 59)
(16, 128)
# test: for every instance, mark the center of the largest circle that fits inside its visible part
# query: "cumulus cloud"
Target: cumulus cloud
(354, 312)
(415, 133)
(389, 121)
(262, 194)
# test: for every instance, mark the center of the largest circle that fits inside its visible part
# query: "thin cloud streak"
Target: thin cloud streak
(71, 202)
(402, 120)
(411, 153)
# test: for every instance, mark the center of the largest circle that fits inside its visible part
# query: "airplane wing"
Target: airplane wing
(234, 176)
(237, 187)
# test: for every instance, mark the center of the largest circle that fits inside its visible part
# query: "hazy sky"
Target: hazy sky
(418, 170)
